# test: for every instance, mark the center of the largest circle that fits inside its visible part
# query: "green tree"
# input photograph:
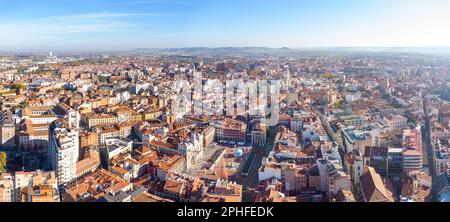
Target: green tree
(16, 86)
(3, 161)
(102, 79)
(338, 105)
(327, 76)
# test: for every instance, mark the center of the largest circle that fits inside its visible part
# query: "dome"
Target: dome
(238, 153)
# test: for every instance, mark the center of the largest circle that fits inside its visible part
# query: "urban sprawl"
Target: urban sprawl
(350, 127)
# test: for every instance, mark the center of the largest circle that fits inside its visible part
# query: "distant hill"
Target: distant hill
(222, 50)
(259, 51)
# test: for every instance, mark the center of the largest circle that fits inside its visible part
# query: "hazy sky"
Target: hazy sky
(122, 24)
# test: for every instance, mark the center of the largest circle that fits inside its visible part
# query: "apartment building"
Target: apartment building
(63, 151)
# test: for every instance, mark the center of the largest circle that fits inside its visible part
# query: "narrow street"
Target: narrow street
(430, 152)
(251, 181)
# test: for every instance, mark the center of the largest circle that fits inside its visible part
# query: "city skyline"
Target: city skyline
(125, 25)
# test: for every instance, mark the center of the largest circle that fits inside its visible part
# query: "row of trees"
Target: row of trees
(17, 86)
(3, 161)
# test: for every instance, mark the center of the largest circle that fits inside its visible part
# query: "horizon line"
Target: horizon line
(355, 48)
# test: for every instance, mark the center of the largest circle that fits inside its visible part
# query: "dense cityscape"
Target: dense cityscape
(223, 109)
(351, 126)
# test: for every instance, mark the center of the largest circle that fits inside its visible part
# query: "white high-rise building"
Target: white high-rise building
(63, 150)
(288, 78)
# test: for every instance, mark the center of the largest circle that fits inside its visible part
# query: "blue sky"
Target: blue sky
(88, 25)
